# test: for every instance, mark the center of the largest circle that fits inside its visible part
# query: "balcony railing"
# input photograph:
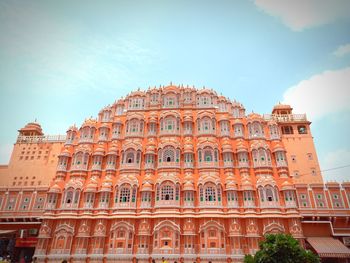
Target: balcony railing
(189, 204)
(97, 251)
(270, 204)
(103, 138)
(232, 204)
(133, 134)
(188, 165)
(149, 166)
(116, 136)
(125, 205)
(237, 251)
(86, 140)
(243, 165)
(62, 168)
(169, 165)
(166, 251)
(40, 251)
(188, 132)
(142, 250)
(103, 205)
(281, 164)
(50, 206)
(249, 204)
(111, 166)
(238, 135)
(96, 167)
(79, 167)
(169, 132)
(80, 251)
(120, 251)
(88, 205)
(256, 136)
(213, 251)
(130, 166)
(167, 203)
(285, 117)
(291, 204)
(145, 205)
(262, 164)
(206, 132)
(228, 165)
(43, 138)
(69, 206)
(275, 137)
(152, 133)
(206, 204)
(224, 133)
(60, 251)
(189, 251)
(208, 165)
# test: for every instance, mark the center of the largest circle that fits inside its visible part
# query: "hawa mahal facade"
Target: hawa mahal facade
(173, 172)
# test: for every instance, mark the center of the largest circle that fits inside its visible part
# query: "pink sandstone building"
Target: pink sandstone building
(173, 172)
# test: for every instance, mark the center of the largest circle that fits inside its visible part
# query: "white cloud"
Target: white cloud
(301, 14)
(320, 95)
(342, 50)
(336, 159)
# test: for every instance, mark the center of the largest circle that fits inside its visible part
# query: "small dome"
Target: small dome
(65, 152)
(254, 117)
(286, 185)
(150, 149)
(231, 186)
(241, 147)
(100, 150)
(113, 150)
(146, 187)
(188, 148)
(91, 187)
(89, 123)
(55, 189)
(278, 148)
(238, 121)
(32, 128)
(188, 186)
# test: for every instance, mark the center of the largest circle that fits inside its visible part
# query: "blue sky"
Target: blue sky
(62, 61)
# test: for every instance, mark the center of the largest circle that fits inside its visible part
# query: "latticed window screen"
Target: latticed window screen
(208, 155)
(210, 194)
(168, 154)
(167, 192)
(124, 196)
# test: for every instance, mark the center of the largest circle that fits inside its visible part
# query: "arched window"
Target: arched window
(274, 134)
(71, 198)
(255, 130)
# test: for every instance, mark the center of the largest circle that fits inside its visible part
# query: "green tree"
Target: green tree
(281, 248)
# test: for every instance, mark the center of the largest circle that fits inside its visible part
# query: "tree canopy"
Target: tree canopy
(281, 248)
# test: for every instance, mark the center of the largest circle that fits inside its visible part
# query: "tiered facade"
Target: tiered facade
(185, 174)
